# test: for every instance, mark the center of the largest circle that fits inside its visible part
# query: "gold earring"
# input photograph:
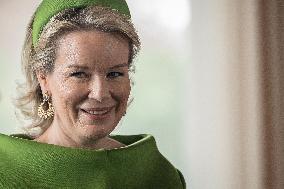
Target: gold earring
(45, 113)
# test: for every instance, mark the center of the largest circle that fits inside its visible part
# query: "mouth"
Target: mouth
(97, 113)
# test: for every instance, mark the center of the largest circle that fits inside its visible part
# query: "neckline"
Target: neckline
(131, 142)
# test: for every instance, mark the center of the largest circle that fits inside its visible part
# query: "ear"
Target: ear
(43, 81)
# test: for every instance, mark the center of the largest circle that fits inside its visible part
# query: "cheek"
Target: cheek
(121, 95)
(65, 94)
(66, 87)
(123, 89)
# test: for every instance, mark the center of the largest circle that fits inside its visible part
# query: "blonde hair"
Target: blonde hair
(41, 58)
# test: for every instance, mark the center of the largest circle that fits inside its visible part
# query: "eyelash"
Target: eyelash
(85, 75)
(79, 74)
(119, 74)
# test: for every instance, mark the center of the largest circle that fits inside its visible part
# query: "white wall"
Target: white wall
(14, 16)
(223, 114)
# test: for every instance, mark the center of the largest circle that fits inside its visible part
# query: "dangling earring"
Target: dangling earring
(44, 114)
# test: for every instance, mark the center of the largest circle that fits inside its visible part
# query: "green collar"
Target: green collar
(29, 164)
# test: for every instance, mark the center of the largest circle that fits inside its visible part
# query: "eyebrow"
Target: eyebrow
(86, 67)
(120, 65)
(76, 66)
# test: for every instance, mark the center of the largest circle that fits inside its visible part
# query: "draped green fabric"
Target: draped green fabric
(48, 8)
(27, 164)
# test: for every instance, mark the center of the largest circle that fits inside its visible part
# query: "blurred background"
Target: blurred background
(208, 86)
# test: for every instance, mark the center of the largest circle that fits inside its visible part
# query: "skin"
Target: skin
(91, 71)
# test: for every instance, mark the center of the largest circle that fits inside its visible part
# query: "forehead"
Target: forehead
(92, 47)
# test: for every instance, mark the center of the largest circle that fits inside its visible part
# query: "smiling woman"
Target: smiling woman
(77, 58)
(90, 87)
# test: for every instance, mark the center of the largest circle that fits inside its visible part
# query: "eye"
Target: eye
(79, 74)
(112, 75)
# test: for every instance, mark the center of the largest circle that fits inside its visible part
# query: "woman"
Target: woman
(77, 58)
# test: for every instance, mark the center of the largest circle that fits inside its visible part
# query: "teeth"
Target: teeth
(97, 112)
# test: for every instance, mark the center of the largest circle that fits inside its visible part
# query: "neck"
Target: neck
(55, 135)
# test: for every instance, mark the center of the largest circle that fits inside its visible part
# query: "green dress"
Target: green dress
(28, 164)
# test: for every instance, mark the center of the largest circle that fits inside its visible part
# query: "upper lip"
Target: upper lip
(98, 109)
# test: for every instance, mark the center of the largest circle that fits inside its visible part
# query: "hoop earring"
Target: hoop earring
(44, 114)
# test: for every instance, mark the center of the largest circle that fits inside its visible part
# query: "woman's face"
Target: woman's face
(90, 84)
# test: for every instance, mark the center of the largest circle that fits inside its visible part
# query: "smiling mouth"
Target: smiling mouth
(99, 113)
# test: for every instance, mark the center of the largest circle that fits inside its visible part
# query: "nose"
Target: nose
(99, 89)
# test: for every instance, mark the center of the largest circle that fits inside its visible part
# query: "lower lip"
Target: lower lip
(97, 117)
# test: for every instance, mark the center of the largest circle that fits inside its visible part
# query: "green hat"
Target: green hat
(48, 8)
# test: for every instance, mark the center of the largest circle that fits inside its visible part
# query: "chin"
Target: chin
(95, 131)
(89, 127)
